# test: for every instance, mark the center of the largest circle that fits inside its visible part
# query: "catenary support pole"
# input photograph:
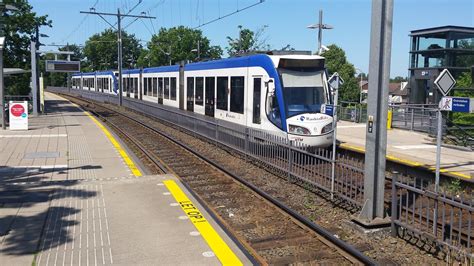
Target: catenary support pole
(119, 40)
(376, 134)
(119, 59)
(334, 137)
(2, 93)
(34, 78)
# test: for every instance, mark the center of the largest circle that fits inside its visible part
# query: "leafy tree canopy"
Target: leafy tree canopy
(101, 51)
(464, 81)
(247, 41)
(177, 44)
(19, 27)
(398, 79)
(336, 61)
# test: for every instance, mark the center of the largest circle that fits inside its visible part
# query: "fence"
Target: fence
(445, 218)
(415, 207)
(299, 163)
(415, 117)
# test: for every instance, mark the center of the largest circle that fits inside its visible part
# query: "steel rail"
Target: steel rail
(338, 243)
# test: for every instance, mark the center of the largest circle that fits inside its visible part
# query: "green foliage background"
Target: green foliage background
(336, 61)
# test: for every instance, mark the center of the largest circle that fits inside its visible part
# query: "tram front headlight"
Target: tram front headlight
(327, 128)
(299, 130)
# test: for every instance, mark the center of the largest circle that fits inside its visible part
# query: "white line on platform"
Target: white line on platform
(412, 147)
(34, 136)
(353, 126)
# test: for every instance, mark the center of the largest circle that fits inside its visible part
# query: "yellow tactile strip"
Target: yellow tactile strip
(407, 162)
(220, 248)
(117, 146)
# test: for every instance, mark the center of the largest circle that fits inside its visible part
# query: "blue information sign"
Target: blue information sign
(329, 110)
(460, 105)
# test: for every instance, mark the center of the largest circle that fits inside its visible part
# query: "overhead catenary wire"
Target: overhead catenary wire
(79, 25)
(229, 14)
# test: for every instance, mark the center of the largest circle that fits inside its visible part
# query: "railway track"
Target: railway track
(272, 232)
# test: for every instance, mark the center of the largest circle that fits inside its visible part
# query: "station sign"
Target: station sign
(327, 109)
(457, 104)
(63, 66)
(18, 115)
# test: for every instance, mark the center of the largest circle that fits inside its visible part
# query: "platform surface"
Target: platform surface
(67, 197)
(412, 148)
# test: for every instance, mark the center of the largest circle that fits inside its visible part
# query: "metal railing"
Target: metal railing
(299, 163)
(443, 218)
(415, 117)
(353, 113)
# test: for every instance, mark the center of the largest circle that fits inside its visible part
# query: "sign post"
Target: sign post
(18, 115)
(334, 81)
(445, 82)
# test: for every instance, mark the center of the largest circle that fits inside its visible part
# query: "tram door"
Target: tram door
(210, 88)
(160, 90)
(257, 97)
(190, 94)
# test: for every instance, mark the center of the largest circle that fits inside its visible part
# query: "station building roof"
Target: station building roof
(442, 30)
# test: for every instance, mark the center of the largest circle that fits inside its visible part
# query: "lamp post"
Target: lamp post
(320, 26)
(360, 84)
(3, 6)
(2, 98)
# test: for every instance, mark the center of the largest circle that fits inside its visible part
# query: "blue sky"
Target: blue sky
(286, 21)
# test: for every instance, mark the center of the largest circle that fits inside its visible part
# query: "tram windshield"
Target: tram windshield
(303, 91)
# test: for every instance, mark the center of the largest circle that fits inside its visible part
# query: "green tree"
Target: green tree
(398, 79)
(177, 44)
(336, 61)
(101, 51)
(464, 81)
(19, 27)
(247, 41)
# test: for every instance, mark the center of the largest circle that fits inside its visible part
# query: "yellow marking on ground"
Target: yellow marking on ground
(116, 144)
(133, 168)
(215, 242)
(407, 162)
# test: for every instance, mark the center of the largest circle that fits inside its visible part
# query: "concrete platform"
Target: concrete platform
(68, 197)
(411, 148)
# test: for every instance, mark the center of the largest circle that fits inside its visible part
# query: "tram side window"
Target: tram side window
(135, 85)
(222, 100)
(145, 86)
(173, 89)
(199, 90)
(160, 87)
(154, 86)
(167, 88)
(237, 94)
(150, 87)
(190, 89)
(132, 85)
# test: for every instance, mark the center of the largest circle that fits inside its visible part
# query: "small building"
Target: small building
(398, 92)
(433, 50)
(364, 89)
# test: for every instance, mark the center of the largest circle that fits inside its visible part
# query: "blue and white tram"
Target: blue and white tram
(104, 81)
(278, 94)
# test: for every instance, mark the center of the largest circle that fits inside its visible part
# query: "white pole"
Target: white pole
(334, 135)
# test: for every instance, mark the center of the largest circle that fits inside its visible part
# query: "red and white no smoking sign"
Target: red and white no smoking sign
(18, 115)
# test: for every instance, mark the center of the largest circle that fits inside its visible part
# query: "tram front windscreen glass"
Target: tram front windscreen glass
(303, 92)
